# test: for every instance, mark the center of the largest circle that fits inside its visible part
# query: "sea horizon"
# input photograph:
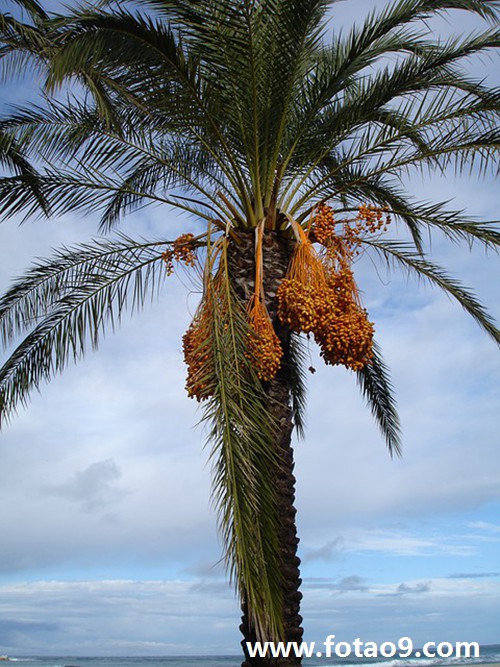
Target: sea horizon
(488, 655)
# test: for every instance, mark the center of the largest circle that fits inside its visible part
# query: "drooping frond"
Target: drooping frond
(33, 7)
(244, 456)
(120, 172)
(24, 45)
(398, 253)
(26, 177)
(453, 224)
(295, 370)
(377, 389)
(65, 306)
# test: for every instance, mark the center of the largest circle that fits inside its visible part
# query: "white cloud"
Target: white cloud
(391, 543)
(116, 618)
(484, 525)
(170, 617)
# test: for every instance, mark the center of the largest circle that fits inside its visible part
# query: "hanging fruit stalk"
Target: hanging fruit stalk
(319, 294)
(302, 286)
(264, 347)
(197, 342)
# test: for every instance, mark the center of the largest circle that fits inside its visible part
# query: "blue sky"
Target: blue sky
(108, 541)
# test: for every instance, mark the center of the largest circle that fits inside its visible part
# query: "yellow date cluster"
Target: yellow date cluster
(264, 347)
(183, 250)
(319, 294)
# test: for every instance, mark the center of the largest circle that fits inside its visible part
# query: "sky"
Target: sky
(108, 543)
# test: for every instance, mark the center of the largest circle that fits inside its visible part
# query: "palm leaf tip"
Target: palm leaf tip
(294, 367)
(422, 268)
(376, 387)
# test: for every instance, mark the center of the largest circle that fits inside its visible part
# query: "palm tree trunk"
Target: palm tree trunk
(288, 540)
(277, 251)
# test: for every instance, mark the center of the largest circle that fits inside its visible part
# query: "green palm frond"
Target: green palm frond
(244, 458)
(95, 46)
(26, 177)
(403, 255)
(377, 389)
(24, 46)
(136, 164)
(65, 306)
(338, 73)
(446, 129)
(34, 8)
(453, 224)
(294, 367)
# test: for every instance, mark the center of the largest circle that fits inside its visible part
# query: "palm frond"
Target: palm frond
(66, 306)
(376, 387)
(26, 176)
(294, 367)
(24, 45)
(138, 160)
(453, 224)
(398, 253)
(127, 55)
(244, 457)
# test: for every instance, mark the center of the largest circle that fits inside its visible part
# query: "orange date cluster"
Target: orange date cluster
(319, 294)
(264, 347)
(198, 354)
(183, 250)
(318, 297)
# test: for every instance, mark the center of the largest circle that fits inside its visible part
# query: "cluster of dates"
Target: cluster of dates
(198, 352)
(183, 250)
(264, 347)
(317, 297)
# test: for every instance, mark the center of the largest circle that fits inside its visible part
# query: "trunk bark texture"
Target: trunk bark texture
(277, 250)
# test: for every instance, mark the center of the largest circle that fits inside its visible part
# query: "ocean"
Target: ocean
(488, 655)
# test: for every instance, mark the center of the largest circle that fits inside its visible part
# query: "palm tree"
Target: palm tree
(286, 149)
